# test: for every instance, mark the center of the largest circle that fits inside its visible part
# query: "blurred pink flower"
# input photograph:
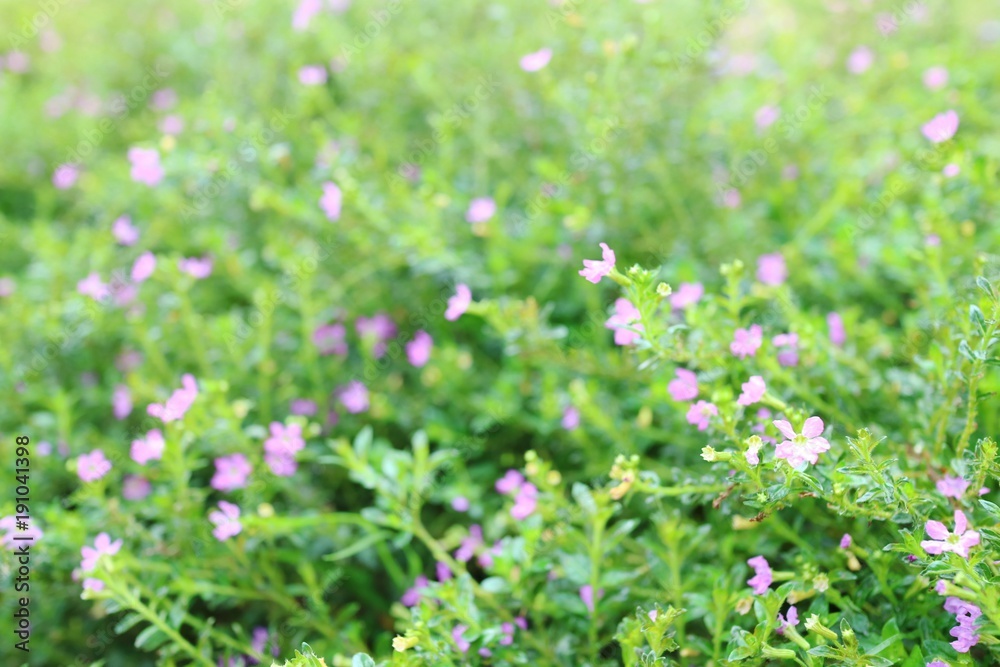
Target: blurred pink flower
(936, 77)
(771, 269)
(93, 287)
(226, 520)
(525, 502)
(700, 413)
(92, 466)
(536, 61)
(952, 487)
(121, 402)
(135, 487)
(686, 295)
(145, 165)
(951, 170)
(418, 350)
(458, 304)
(942, 127)
(65, 176)
(305, 13)
(231, 472)
(766, 115)
(143, 267)
(481, 209)
(124, 231)
(835, 324)
(331, 200)
(354, 397)
(570, 418)
(753, 391)
(312, 75)
(684, 387)
(103, 546)
(179, 402)
(329, 339)
(860, 60)
(845, 541)
(594, 269)
(8, 525)
(587, 595)
(196, 267)
(148, 448)
(623, 322)
(746, 342)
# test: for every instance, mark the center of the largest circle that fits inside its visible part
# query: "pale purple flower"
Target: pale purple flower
(65, 176)
(536, 61)
(226, 520)
(418, 350)
(460, 641)
(938, 663)
(746, 342)
(282, 465)
(329, 339)
(700, 414)
(570, 418)
(312, 75)
(354, 397)
(509, 483)
(331, 200)
(460, 504)
(8, 526)
(145, 165)
(7, 286)
(103, 546)
(753, 391)
(942, 127)
(92, 466)
(284, 440)
(624, 320)
(458, 304)
(412, 595)
(172, 124)
(952, 487)
(148, 448)
(766, 115)
(470, 545)
(231, 472)
(936, 77)
(788, 348)
(93, 287)
(966, 615)
(196, 267)
(789, 620)
(587, 595)
(752, 454)
(179, 402)
(731, 198)
(18, 61)
(143, 267)
(860, 60)
(443, 571)
(163, 99)
(686, 295)
(951, 170)
(595, 269)
(481, 209)
(958, 542)
(124, 231)
(305, 12)
(835, 325)
(762, 575)
(135, 487)
(771, 269)
(92, 584)
(121, 402)
(801, 448)
(303, 406)
(525, 503)
(379, 327)
(684, 386)
(845, 541)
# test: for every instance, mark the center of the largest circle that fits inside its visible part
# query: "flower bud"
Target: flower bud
(813, 624)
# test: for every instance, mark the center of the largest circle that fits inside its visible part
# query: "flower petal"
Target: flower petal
(813, 427)
(785, 428)
(933, 548)
(961, 523)
(937, 530)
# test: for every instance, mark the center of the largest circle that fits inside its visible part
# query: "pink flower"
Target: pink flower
(303, 406)
(195, 267)
(958, 542)
(935, 77)
(746, 342)
(570, 418)
(135, 487)
(700, 413)
(470, 545)
(124, 231)
(509, 483)
(286, 440)
(481, 209)
(952, 487)
(103, 546)
(179, 402)
(788, 353)
(860, 60)
(172, 124)
(145, 165)
(92, 584)
(121, 402)
(305, 12)
(418, 350)
(92, 466)
(282, 465)
(312, 75)
(93, 287)
(623, 322)
(65, 176)
(938, 663)
(686, 295)
(143, 267)
(331, 200)
(731, 198)
(684, 387)
(525, 502)
(951, 170)
(765, 116)
(460, 641)
(790, 620)
(459, 303)
(460, 504)
(942, 127)
(845, 541)
(771, 269)
(752, 454)
(799, 449)
(7, 286)
(587, 595)
(231, 472)
(149, 448)
(412, 595)
(536, 61)
(354, 397)
(753, 391)
(593, 269)
(762, 575)
(163, 99)
(443, 571)
(329, 339)
(8, 525)
(835, 324)
(226, 520)
(967, 616)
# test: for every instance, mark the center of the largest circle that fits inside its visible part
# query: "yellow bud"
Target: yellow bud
(400, 643)
(553, 478)
(265, 510)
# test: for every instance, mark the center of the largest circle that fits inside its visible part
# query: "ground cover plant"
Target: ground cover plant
(499, 333)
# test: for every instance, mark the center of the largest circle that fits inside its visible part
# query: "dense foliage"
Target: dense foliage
(501, 333)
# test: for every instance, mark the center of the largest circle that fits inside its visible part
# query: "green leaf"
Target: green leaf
(151, 638)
